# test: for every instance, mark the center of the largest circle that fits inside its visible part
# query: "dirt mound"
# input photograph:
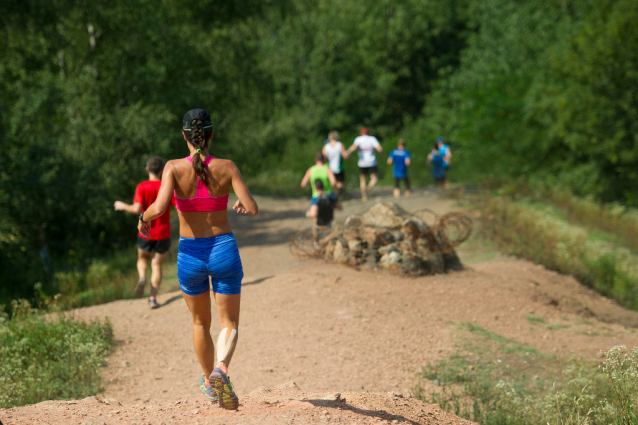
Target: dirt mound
(386, 236)
(283, 404)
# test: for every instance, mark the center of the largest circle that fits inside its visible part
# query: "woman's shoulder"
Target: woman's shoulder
(221, 164)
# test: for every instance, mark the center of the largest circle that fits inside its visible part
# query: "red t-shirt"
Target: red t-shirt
(145, 194)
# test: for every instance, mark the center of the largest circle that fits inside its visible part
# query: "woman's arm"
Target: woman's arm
(245, 204)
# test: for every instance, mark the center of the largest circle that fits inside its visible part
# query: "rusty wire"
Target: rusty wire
(452, 229)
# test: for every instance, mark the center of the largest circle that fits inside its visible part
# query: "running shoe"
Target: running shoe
(152, 303)
(139, 289)
(209, 392)
(220, 382)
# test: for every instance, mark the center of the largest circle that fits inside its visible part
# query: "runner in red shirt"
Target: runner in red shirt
(160, 240)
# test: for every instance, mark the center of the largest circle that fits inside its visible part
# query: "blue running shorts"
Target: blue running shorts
(217, 257)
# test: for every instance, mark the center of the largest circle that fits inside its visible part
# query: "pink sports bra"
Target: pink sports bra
(202, 200)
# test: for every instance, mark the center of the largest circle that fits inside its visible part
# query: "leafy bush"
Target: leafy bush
(49, 359)
(493, 393)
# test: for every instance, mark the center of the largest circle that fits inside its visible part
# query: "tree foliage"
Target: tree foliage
(88, 90)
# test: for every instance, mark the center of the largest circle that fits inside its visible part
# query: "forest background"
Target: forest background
(544, 91)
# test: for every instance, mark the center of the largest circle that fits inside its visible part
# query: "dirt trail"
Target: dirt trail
(332, 328)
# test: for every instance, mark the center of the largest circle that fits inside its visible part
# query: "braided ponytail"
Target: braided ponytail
(199, 137)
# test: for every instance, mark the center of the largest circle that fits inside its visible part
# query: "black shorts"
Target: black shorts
(366, 171)
(406, 179)
(340, 177)
(440, 181)
(160, 246)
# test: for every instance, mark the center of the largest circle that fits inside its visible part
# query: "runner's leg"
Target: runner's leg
(396, 192)
(407, 186)
(228, 312)
(362, 184)
(156, 272)
(200, 307)
(143, 258)
(373, 181)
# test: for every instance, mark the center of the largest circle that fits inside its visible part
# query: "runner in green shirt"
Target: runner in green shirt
(321, 172)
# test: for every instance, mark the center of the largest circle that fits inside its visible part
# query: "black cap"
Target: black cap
(196, 114)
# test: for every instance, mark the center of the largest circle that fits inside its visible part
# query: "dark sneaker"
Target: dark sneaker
(220, 382)
(139, 288)
(152, 303)
(209, 392)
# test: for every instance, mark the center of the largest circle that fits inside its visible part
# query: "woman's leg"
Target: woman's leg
(228, 312)
(200, 307)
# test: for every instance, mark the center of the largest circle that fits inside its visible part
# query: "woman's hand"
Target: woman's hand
(240, 208)
(144, 228)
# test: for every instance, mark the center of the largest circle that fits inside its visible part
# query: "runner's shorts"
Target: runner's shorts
(406, 180)
(366, 171)
(160, 246)
(217, 257)
(340, 177)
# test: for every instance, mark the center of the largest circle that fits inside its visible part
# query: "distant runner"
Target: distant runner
(335, 153)
(400, 157)
(319, 171)
(207, 248)
(437, 163)
(323, 206)
(160, 235)
(445, 152)
(367, 160)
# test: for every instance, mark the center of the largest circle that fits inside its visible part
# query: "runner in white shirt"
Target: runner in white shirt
(367, 160)
(335, 153)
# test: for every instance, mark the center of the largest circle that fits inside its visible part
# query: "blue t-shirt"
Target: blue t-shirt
(398, 157)
(443, 150)
(438, 166)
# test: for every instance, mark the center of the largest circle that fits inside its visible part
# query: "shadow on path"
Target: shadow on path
(171, 299)
(377, 414)
(256, 281)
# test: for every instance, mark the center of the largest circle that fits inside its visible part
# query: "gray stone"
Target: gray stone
(111, 401)
(388, 248)
(389, 260)
(413, 264)
(355, 245)
(397, 236)
(384, 214)
(353, 221)
(340, 254)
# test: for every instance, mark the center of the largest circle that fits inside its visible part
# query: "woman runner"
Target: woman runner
(207, 247)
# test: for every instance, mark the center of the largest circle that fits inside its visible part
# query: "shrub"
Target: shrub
(584, 394)
(45, 359)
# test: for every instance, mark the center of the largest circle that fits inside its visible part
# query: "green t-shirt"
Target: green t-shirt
(320, 173)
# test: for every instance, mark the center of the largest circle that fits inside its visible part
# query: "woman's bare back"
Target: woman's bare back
(206, 223)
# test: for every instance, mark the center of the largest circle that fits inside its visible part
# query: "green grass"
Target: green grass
(534, 320)
(538, 234)
(53, 359)
(557, 326)
(496, 381)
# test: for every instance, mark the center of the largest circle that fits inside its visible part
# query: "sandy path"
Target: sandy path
(335, 329)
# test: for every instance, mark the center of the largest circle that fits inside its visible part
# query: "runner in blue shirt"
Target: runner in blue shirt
(400, 157)
(437, 162)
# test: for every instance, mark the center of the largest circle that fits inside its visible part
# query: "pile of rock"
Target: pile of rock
(388, 237)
